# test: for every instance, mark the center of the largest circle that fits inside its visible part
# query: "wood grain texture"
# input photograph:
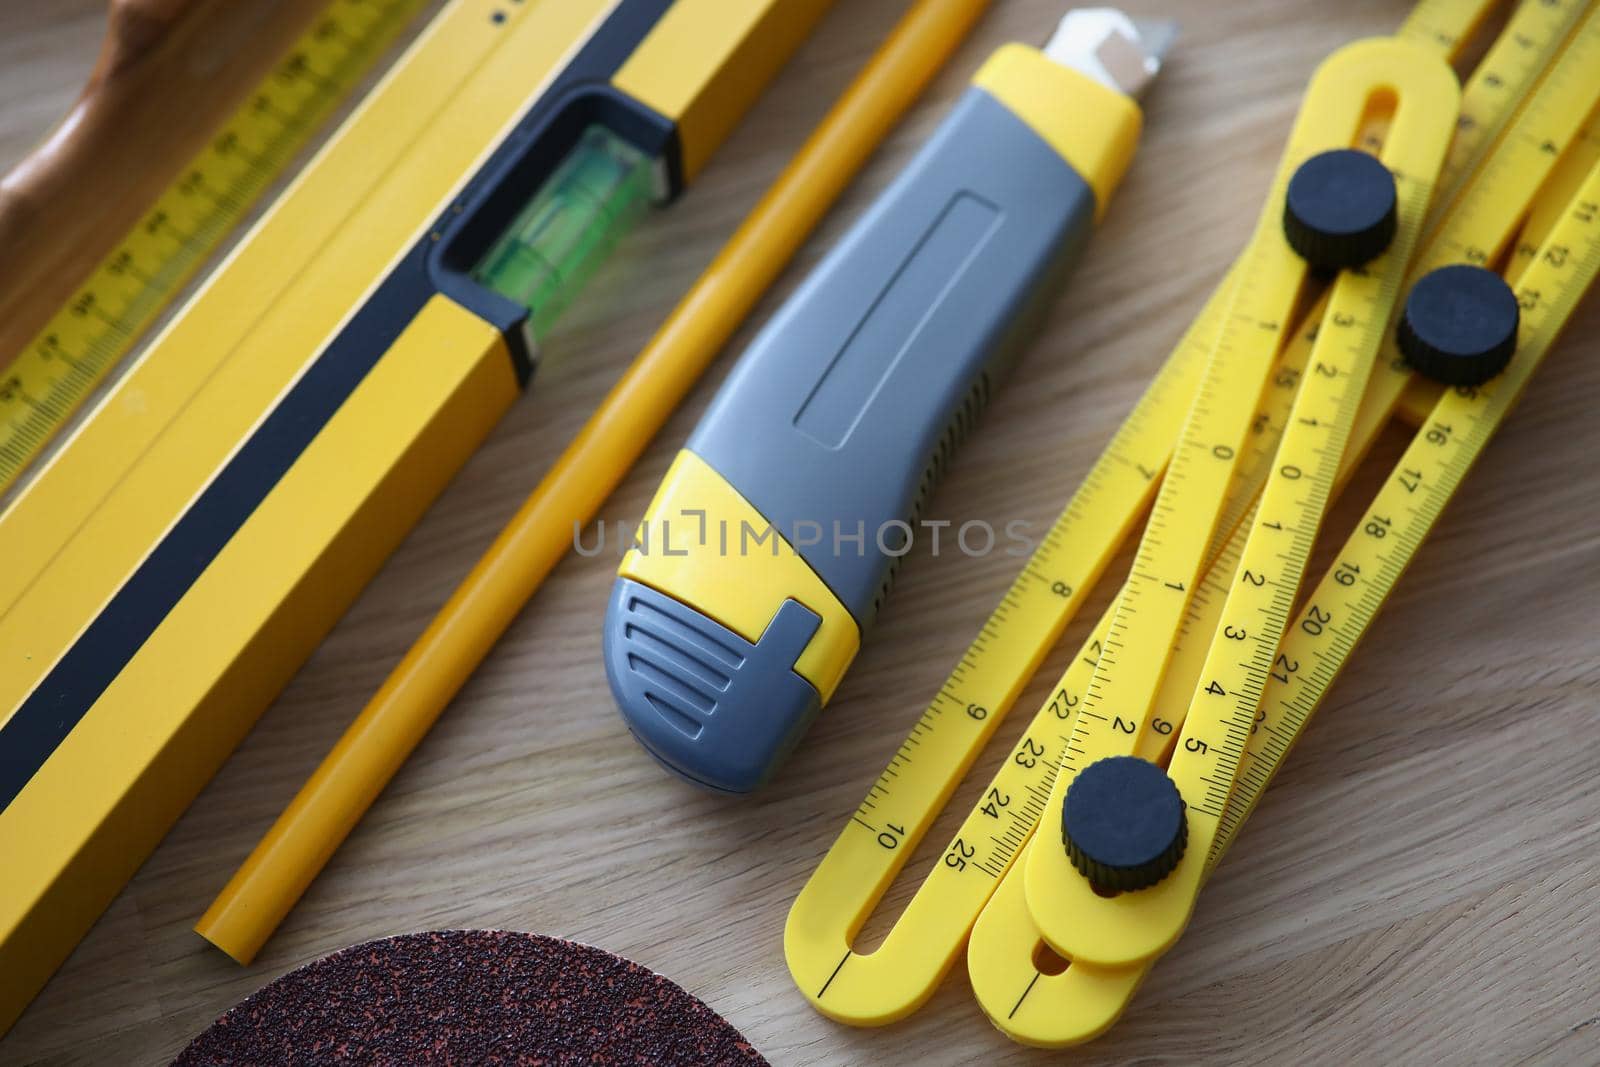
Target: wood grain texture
(1418, 886)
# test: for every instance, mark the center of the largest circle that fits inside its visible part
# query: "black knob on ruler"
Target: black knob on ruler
(1339, 210)
(1460, 324)
(1123, 823)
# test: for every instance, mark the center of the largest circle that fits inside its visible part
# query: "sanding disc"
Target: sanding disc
(470, 997)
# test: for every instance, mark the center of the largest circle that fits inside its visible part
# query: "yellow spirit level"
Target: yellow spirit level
(122, 295)
(179, 558)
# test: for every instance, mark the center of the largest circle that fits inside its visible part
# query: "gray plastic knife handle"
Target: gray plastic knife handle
(840, 417)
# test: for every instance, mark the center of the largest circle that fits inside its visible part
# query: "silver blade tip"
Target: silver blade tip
(1121, 53)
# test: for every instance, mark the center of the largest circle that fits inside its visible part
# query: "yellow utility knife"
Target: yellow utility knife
(771, 545)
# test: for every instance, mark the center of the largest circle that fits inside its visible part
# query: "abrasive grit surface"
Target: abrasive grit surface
(470, 997)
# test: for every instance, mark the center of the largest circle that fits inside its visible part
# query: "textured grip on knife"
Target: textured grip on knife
(840, 416)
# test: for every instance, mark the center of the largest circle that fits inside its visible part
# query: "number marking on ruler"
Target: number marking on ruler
(1073, 918)
(1344, 603)
(1508, 70)
(901, 974)
(1224, 704)
(1478, 223)
(936, 755)
(1074, 1005)
(125, 292)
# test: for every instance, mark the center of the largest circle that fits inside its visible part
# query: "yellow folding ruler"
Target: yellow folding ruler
(1066, 1005)
(1517, 134)
(1122, 694)
(123, 294)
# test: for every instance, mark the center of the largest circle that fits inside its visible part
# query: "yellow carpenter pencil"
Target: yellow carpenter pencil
(341, 789)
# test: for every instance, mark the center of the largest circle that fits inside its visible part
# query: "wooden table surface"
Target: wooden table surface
(1418, 886)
